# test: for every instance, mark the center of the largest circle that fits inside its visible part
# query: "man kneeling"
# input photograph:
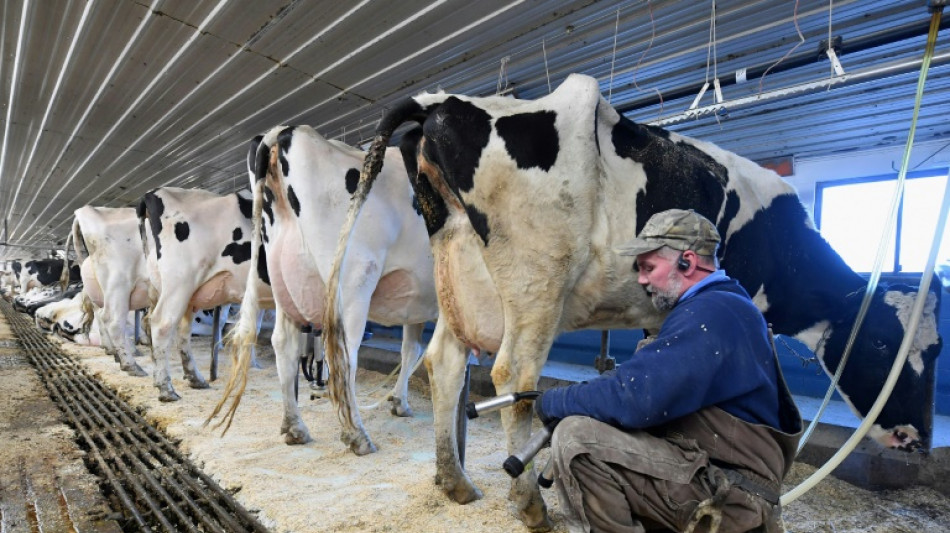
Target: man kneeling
(698, 423)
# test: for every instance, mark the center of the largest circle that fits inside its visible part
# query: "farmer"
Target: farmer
(699, 422)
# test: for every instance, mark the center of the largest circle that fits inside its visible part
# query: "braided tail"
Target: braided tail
(334, 334)
(241, 340)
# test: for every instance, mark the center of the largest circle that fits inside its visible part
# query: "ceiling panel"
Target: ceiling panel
(102, 101)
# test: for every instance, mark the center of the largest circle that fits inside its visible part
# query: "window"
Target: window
(851, 215)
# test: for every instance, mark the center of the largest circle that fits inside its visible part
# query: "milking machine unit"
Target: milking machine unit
(515, 464)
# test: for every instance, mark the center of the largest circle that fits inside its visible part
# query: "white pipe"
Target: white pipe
(910, 331)
(861, 75)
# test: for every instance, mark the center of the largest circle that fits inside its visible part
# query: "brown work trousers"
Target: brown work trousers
(609, 480)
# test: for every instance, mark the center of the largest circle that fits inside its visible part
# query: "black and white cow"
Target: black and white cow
(40, 283)
(198, 256)
(43, 272)
(307, 182)
(109, 247)
(524, 202)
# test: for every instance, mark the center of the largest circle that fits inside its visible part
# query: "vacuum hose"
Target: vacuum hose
(515, 464)
(474, 409)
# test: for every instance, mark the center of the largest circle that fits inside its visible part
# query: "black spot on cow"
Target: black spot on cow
(246, 205)
(352, 179)
(252, 154)
(151, 207)
(678, 174)
(264, 233)
(182, 230)
(268, 204)
(261, 157)
(75, 273)
(262, 265)
(456, 133)
(46, 271)
(292, 198)
(425, 199)
(284, 138)
(239, 251)
(728, 215)
(530, 138)
(479, 222)
(17, 266)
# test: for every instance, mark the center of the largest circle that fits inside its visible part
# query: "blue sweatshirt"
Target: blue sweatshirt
(712, 350)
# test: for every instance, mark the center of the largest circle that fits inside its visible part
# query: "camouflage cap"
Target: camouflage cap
(677, 228)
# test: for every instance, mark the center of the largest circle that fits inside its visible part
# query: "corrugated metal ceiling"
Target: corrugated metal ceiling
(103, 100)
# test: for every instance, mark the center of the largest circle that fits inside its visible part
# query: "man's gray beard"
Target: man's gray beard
(665, 300)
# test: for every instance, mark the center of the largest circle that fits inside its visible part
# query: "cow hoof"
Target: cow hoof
(168, 396)
(542, 527)
(133, 370)
(462, 493)
(255, 364)
(399, 408)
(533, 512)
(360, 444)
(198, 383)
(295, 436)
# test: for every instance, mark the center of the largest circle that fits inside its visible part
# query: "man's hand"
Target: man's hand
(549, 422)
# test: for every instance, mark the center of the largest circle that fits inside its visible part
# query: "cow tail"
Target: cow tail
(242, 338)
(334, 334)
(88, 313)
(64, 277)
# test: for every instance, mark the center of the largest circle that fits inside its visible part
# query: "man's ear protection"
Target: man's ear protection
(682, 263)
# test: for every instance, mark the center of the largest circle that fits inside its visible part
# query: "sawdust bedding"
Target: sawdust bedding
(322, 486)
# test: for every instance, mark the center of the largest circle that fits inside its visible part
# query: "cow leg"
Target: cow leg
(411, 352)
(105, 337)
(445, 361)
(163, 333)
(115, 317)
(192, 374)
(512, 373)
(286, 342)
(354, 435)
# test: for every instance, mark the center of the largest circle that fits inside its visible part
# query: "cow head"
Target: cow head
(902, 424)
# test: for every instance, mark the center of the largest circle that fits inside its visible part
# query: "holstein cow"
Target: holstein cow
(199, 253)
(108, 244)
(307, 183)
(47, 316)
(43, 272)
(524, 202)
